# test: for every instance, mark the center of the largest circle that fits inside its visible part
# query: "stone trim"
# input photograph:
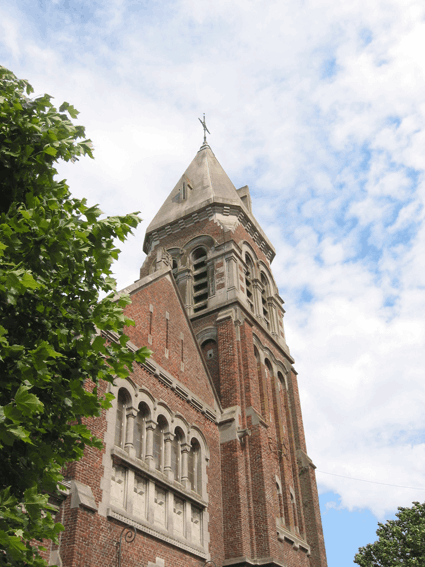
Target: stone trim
(168, 380)
(128, 519)
(252, 561)
(243, 217)
(182, 391)
(82, 495)
(142, 467)
(285, 535)
(304, 461)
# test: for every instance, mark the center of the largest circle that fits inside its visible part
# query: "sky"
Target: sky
(319, 106)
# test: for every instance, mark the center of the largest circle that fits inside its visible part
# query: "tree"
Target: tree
(55, 259)
(400, 542)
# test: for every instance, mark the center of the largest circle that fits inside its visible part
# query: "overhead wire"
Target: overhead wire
(370, 481)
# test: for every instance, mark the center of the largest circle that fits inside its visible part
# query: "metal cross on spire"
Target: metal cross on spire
(204, 125)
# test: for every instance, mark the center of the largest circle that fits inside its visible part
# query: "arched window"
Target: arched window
(175, 268)
(176, 457)
(120, 422)
(281, 380)
(294, 508)
(210, 352)
(248, 280)
(279, 502)
(265, 292)
(269, 380)
(200, 279)
(194, 466)
(262, 383)
(269, 368)
(280, 410)
(158, 443)
(139, 438)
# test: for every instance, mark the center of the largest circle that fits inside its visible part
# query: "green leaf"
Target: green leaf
(29, 282)
(27, 403)
(50, 151)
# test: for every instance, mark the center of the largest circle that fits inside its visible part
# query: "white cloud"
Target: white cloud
(318, 106)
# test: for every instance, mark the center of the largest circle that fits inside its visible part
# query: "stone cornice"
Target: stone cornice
(208, 212)
(126, 518)
(141, 467)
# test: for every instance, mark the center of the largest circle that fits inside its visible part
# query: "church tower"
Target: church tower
(221, 262)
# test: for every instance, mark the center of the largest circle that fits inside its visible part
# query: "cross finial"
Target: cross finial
(204, 125)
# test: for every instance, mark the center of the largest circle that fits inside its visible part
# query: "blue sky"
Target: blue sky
(318, 107)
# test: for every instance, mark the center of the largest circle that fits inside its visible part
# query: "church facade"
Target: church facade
(204, 457)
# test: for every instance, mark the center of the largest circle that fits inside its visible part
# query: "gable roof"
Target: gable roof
(138, 287)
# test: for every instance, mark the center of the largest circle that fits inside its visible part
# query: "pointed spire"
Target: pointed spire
(204, 182)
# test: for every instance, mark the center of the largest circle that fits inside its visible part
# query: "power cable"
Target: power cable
(370, 481)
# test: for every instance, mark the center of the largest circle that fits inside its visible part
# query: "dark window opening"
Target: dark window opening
(264, 294)
(200, 277)
(248, 279)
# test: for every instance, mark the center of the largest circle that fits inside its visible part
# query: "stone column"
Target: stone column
(168, 439)
(150, 427)
(274, 324)
(185, 448)
(257, 288)
(195, 470)
(131, 414)
(211, 278)
(184, 282)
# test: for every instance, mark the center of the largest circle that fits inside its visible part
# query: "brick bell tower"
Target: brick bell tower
(221, 263)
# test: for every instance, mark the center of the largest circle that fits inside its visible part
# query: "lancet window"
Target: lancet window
(262, 382)
(175, 268)
(265, 292)
(294, 509)
(248, 280)
(200, 279)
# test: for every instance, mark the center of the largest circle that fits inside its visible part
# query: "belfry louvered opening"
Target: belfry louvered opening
(265, 292)
(200, 279)
(248, 280)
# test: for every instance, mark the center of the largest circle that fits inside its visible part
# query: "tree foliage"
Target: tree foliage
(55, 259)
(400, 542)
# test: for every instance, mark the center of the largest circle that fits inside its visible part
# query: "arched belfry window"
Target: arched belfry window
(123, 401)
(248, 280)
(200, 279)
(265, 292)
(175, 268)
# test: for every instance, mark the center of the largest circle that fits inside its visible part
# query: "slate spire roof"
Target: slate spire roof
(204, 182)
